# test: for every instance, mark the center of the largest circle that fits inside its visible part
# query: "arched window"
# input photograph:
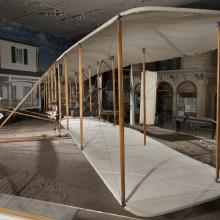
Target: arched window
(186, 99)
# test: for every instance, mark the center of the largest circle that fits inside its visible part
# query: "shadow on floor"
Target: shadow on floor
(170, 136)
(47, 160)
(174, 137)
(14, 182)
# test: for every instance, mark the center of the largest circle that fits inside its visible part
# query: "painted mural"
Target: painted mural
(50, 46)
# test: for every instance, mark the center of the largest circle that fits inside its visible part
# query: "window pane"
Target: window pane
(19, 55)
(25, 56)
(13, 55)
(13, 93)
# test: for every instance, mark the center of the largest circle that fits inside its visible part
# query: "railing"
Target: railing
(28, 104)
(201, 127)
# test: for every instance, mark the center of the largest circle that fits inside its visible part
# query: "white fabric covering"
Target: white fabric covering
(163, 31)
(158, 179)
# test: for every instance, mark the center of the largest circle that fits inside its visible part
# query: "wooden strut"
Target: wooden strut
(55, 83)
(98, 89)
(52, 87)
(49, 91)
(90, 90)
(66, 92)
(76, 86)
(23, 100)
(121, 113)
(218, 110)
(33, 113)
(144, 96)
(12, 214)
(46, 95)
(34, 138)
(99, 65)
(113, 90)
(70, 98)
(28, 115)
(59, 92)
(81, 91)
(73, 97)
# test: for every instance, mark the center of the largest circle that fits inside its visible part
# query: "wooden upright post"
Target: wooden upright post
(49, 91)
(59, 92)
(144, 96)
(90, 90)
(45, 95)
(113, 90)
(218, 110)
(98, 90)
(70, 96)
(81, 91)
(55, 83)
(73, 99)
(52, 85)
(76, 87)
(66, 92)
(121, 113)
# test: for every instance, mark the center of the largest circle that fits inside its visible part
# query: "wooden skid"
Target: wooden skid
(34, 138)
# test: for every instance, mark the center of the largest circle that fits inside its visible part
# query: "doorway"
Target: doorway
(164, 105)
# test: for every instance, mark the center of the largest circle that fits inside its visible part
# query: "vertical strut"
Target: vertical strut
(113, 90)
(218, 110)
(81, 91)
(144, 96)
(121, 113)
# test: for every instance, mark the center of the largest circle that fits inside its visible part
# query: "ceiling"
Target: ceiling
(75, 18)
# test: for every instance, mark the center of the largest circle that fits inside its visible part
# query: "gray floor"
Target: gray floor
(201, 149)
(56, 171)
(51, 210)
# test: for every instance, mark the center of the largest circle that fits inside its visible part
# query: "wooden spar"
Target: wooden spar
(218, 109)
(55, 83)
(49, 90)
(23, 100)
(28, 115)
(113, 90)
(12, 214)
(52, 87)
(98, 90)
(73, 99)
(33, 113)
(66, 92)
(81, 91)
(34, 138)
(46, 95)
(70, 96)
(121, 113)
(59, 92)
(76, 86)
(90, 90)
(144, 96)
